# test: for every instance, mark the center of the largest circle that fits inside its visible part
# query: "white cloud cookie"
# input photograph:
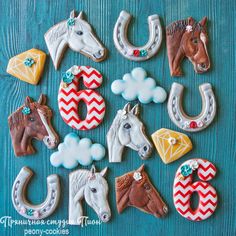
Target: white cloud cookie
(136, 85)
(75, 150)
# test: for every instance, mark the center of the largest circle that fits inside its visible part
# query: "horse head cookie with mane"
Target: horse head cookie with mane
(135, 189)
(32, 120)
(127, 130)
(77, 34)
(187, 38)
(93, 187)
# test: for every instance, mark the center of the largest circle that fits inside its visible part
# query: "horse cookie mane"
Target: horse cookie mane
(180, 25)
(124, 181)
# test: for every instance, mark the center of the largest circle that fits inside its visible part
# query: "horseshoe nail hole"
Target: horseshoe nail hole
(194, 201)
(82, 110)
(44, 210)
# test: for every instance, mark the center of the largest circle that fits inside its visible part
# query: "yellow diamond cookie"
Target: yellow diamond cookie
(171, 145)
(27, 66)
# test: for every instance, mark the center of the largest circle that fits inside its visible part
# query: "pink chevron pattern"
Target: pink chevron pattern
(183, 189)
(69, 98)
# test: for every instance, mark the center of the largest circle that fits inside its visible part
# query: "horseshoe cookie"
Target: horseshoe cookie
(28, 210)
(127, 49)
(185, 122)
(184, 188)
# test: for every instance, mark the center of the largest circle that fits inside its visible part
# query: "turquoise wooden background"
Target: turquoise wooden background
(23, 24)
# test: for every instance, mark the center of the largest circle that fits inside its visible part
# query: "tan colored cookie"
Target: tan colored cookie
(28, 72)
(171, 145)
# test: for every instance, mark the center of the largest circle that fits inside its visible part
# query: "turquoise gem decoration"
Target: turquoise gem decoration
(26, 110)
(186, 170)
(30, 212)
(67, 77)
(29, 61)
(143, 53)
(71, 22)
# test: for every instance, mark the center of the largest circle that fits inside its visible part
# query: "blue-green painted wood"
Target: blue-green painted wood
(23, 24)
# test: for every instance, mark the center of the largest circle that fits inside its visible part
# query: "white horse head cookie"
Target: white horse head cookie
(78, 35)
(93, 187)
(127, 131)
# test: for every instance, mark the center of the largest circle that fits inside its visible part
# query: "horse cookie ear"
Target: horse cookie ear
(72, 14)
(80, 16)
(141, 168)
(42, 99)
(104, 172)
(127, 107)
(203, 21)
(135, 110)
(28, 101)
(191, 21)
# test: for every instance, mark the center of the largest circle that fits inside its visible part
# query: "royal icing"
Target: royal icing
(135, 189)
(93, 187)
(28, 210)
(32, 120)
(127, 131)
(171, 145)
(69, 98)
(74, 151)
(126, 48)
(27, 66)
(185, 122)
(184, 188)
(187, 38)
(76, 34)
(136, 85)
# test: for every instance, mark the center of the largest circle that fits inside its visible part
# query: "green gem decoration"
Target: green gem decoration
(26, 110)
(186, 170)
(71, 22)
(29, 62)
(30, 212)
(143, 53)
(67, 77)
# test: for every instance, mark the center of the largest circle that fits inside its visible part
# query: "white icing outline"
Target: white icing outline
(177, 114)
(44, 209)
(124, 46)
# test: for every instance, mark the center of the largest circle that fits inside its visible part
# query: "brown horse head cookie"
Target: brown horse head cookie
(32, 120)
(187, 38)
(135, 189)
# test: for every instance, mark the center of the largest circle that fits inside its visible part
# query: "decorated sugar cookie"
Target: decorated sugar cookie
(184, 188)
(135, 189)
(27, 66)
(171, 145)
(32, 120)
(127, 131)
(182, 120)
(187, 38)
(130, 51)
(77, 34)
(74, 151)
(28, 210)
(93, 187)
(136, 85)
(69, 97)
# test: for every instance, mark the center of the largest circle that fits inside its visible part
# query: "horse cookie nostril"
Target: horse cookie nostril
(105, 217)
(165, 209)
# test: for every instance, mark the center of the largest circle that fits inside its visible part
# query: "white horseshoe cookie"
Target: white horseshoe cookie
(28, 210)
(126, 48)
(185, 122)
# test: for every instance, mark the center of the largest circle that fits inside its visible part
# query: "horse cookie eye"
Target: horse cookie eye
(127, 126)
(94, 190)
(195, 40)
(146, 186)
(79, 32)
(31, 119)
